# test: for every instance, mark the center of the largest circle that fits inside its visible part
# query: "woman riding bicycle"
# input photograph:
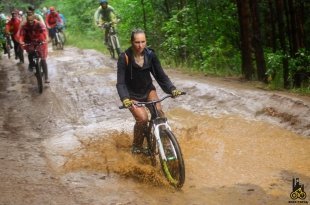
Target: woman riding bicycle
(33, 32)
(134, 83)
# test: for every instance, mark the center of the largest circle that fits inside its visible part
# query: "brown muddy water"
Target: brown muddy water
(71, 145)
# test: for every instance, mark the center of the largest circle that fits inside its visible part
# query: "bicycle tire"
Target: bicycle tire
(110, 47)
(8, 49)
(39, 75)
(62, 39)
(20, 53)
(54, 43)
(116, 45)
(173, 168)
(60, 44)
(151, 144)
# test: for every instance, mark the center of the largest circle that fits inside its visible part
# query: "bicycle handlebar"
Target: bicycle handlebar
(35, 43)
(139, 104)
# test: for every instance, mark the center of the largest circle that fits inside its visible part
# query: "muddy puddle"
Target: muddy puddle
(227, 158)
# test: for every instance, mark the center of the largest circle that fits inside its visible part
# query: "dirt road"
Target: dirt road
(71, 144)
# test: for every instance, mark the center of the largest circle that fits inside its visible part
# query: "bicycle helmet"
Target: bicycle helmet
(103, 1)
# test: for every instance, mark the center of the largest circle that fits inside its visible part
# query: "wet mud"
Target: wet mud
(71, 144)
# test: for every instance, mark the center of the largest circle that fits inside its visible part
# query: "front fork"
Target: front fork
(158, 140)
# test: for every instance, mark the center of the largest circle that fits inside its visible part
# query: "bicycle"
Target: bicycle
(113, 41)
(59, 39)
(38, 64)
(162, 143)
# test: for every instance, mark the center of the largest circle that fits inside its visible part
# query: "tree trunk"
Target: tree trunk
(257, 43)
(271, 20)
(144, 16)
(245, 36)
(281, 28)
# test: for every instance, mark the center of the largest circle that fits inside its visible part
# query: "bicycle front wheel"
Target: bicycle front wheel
(110, 47)
(39, 76)
(116, 45)
(173, 167)
(60, 41)
(8, 49)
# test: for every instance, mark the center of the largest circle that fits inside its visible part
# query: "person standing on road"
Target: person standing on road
(134, 83)
(105, 14)
(12, 28)
(34, 31)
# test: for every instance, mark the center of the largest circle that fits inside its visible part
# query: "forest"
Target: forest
(256, 40)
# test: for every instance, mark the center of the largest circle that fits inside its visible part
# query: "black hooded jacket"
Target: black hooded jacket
(135, 82)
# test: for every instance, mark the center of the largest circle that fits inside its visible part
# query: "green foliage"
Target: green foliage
(200, 36)
(300, 62)
(274, 66)
(274, 63)
(221, 58)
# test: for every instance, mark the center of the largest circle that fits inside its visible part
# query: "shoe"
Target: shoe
(47, 81)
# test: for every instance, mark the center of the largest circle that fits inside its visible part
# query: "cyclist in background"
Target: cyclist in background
(3, 21)
(134, 83)
(63, 19)
(52, 21)
(105, 14)
(12, 28)
(36, 15)
(34, 31)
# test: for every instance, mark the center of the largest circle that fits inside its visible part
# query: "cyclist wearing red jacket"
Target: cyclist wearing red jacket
(34, 31)
(52, 20)
(11, 28)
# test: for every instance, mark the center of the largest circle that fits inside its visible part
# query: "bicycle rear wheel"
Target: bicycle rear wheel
(39, 75)
(173, 167)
